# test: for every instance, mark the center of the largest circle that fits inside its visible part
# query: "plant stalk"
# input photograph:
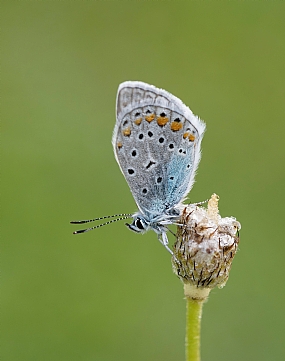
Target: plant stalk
(193, 329)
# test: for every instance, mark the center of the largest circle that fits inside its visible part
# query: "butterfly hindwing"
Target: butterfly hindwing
(157, 145)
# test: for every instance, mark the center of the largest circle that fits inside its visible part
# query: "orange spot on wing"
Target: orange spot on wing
(138, 121)
(119, 145)
(185, 135)
(162, 121)
(175, 126)
(150, 118)
(191, 137)
(127, 132)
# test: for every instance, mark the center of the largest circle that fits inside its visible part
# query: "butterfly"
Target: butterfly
(157, 144)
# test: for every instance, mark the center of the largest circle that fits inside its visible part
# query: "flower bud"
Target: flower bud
(205, 247)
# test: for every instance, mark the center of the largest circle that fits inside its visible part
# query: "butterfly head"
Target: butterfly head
(139, 224)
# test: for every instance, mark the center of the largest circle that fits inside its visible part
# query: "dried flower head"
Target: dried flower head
(205, 247)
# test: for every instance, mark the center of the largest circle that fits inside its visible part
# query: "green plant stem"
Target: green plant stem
(193, 329)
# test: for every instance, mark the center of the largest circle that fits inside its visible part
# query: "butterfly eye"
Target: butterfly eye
(139, 224)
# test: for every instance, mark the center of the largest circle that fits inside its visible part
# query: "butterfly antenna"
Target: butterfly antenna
(125, 216)
(198, 203)
(98, 219)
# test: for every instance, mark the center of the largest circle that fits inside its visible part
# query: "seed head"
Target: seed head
(205, 247)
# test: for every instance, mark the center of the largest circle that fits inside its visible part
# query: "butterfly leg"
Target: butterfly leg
(164, 240)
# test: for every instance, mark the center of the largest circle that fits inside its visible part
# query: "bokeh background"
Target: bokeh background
(110, 294)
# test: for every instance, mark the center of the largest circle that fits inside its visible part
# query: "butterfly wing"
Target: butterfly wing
(156, 142)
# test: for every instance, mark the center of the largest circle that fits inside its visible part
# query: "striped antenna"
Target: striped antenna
(121, 217)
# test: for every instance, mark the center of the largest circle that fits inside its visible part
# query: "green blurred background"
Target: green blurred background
(110, 294)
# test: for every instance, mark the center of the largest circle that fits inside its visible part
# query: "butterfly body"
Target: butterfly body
(156, 141)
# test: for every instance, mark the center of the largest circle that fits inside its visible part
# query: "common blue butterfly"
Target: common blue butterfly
(157, 144)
